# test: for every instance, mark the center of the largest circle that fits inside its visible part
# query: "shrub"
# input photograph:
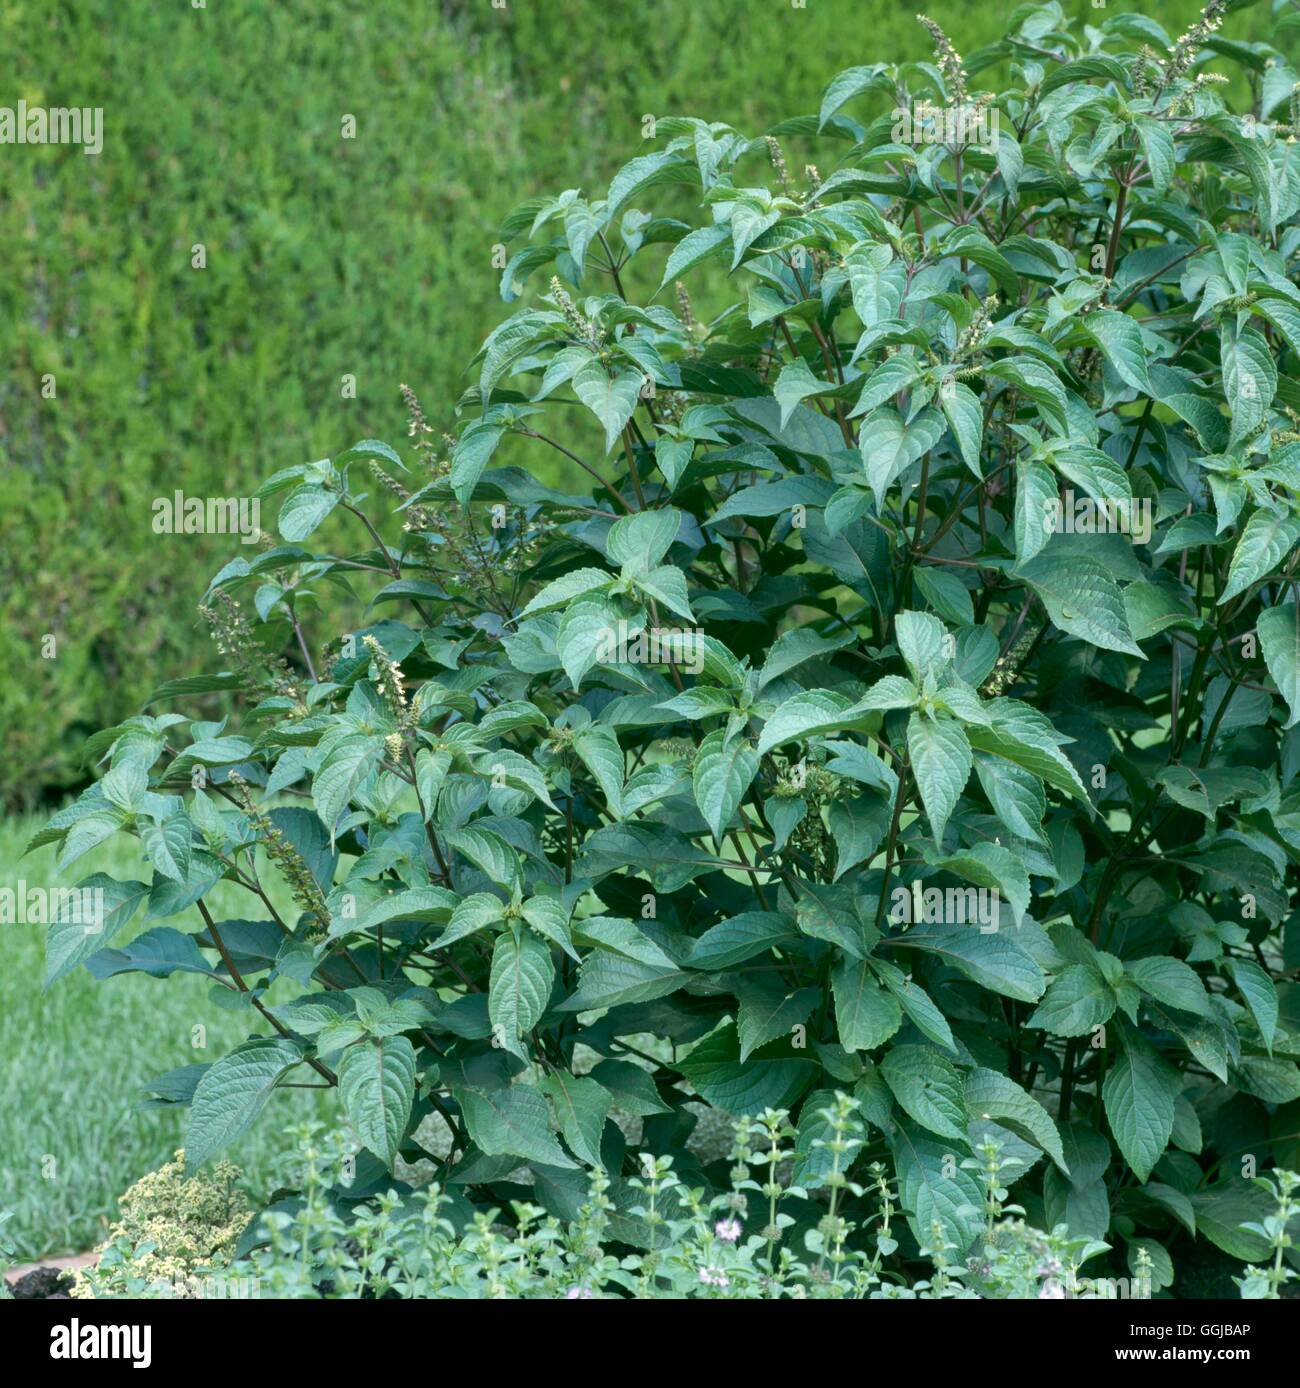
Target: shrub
(173, 1231)
(905, 711)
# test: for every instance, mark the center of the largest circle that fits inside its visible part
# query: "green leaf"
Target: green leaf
(1279, 639)
(621, 936)
(941, 761)
(611, 398)
(632, 1087)
(1022, 735)
(1120, 340)
(347, 763)
(377, 1088)
(947, 594)
(933, 1187)
(1260, 994)
(866, 1014)
(928, 1088)
(721, 774)
(965, 416)
(693, 249)
(569, 586)
(581, 1106)
(641, 174)
(519, 989)
(1036, 499)
(768, 1011)
(991, 960)
(167, 841)
(1170, 981)
(739, 938)
(638, 542)
(773, 1078)
(160, 953)
(989, 865)
(586, 633)
(303, 510)
(473, 913)
(1267, 539)
(512, 1122)
(667, 585)
(232, 1092)
(1017, 796)
(805, 715)
(506, 768)
(845, 86)
(1249, 380)
(549, 917)
(1158, 148)
(86, 918)
(795, 383)
(994, 1096)
(608, 980)
(917, 1004)
(889, 446)
(1077, 1000)
(473, 452)
(1081, 598)
(1138, 1094)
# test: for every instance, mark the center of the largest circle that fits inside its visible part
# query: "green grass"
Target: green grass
(326, 257)
(72, 1061)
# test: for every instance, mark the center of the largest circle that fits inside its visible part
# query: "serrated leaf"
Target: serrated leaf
(1260, 993)
(1266, 540)
(1081, 598)
(513, 1121)
(990, 959)
(994, 1096)
(721, 774)
(581, 1106)
(1077, 1000)
(1120, 340)
(519, 988)
(928, 1088)
(1138, 1094)
(611, 398)
(941, 760)
(1279, 640)
(232, 1092)
(377, 1088)
(86, 919)
(866, 1014)
(965, 416)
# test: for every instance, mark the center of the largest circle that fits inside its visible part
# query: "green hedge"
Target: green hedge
(325, 256)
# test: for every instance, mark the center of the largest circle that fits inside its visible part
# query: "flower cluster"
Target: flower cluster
(302, 885)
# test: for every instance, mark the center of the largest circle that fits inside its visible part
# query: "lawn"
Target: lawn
(72, 1061)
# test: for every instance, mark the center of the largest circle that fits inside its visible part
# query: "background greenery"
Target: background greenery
(325, 256)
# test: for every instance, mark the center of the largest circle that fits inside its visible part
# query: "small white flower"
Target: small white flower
(728, 1230)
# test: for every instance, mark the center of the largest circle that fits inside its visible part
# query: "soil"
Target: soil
(47, 1281)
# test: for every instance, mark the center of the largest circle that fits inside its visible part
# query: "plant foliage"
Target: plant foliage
(907, 710)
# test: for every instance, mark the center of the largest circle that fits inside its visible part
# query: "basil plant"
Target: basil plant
(848, 643)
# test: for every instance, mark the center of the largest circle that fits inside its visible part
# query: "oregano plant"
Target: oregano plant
(896, 698)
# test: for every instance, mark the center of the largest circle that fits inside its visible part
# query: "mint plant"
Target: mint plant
(907, 709)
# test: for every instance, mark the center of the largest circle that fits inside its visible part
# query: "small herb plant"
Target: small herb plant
(908, 709)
